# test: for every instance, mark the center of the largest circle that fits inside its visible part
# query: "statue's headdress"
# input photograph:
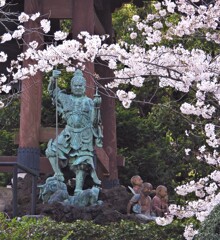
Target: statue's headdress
(78, 77)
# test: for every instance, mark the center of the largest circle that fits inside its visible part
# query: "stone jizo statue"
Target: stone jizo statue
(140, 203)
(136, 182)
(160, 202)
(74, 146)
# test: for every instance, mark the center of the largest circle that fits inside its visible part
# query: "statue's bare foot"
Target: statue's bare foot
(96, 181)
(59, 177)
(78, 192)
(95, 178)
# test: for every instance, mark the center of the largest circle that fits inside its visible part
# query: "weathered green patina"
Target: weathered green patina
(54, 191)
(74, 146)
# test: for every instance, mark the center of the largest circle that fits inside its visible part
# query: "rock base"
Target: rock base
(5, 198)
(113, 209)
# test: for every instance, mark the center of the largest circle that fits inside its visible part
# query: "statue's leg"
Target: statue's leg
(95, 177)
(55, 165)
(51, 154)
(80, 178)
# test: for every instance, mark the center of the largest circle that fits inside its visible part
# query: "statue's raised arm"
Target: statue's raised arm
(52, 82)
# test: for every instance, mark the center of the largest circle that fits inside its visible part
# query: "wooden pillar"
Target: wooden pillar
(30, 112)
(108, 108)
(110, 136)
(83, 19)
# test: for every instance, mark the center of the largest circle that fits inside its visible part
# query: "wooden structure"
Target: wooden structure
(93, 16)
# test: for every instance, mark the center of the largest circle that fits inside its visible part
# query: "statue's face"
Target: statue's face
(146, 191)
(78, 88)
(163, 192)
(138, 181)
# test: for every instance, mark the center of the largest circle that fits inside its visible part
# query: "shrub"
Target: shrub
(210, 228)
(47, 229)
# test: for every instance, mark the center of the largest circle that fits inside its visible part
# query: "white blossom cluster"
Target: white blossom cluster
(212, 140)
(18, 33)
(125, 98)
(50, 57)
(203, 187)
(2, 3)
(212, 158)
(207, 190)
(189, 232)
(22, 73)
(199, 208)
(4, 88)
(183, 70)
(163, 221)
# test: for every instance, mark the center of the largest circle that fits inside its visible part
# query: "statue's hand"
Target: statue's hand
(56, 73)
(97, 100)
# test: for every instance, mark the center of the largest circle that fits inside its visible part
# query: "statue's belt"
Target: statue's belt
(71, 129)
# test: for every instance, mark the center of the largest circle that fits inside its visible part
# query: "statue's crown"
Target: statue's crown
(78, 72)
(78, 76)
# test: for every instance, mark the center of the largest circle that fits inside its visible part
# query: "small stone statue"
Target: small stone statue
(140, 203)
(136, 182)
(160, 202)
(74, 146)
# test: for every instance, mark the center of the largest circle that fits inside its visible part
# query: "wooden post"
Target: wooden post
(108, 107)
(83, 19)
(30, 112)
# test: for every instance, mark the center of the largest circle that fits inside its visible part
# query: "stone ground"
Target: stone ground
(113, 209)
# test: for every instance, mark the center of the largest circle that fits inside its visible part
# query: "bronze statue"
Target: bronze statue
(74, 146)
